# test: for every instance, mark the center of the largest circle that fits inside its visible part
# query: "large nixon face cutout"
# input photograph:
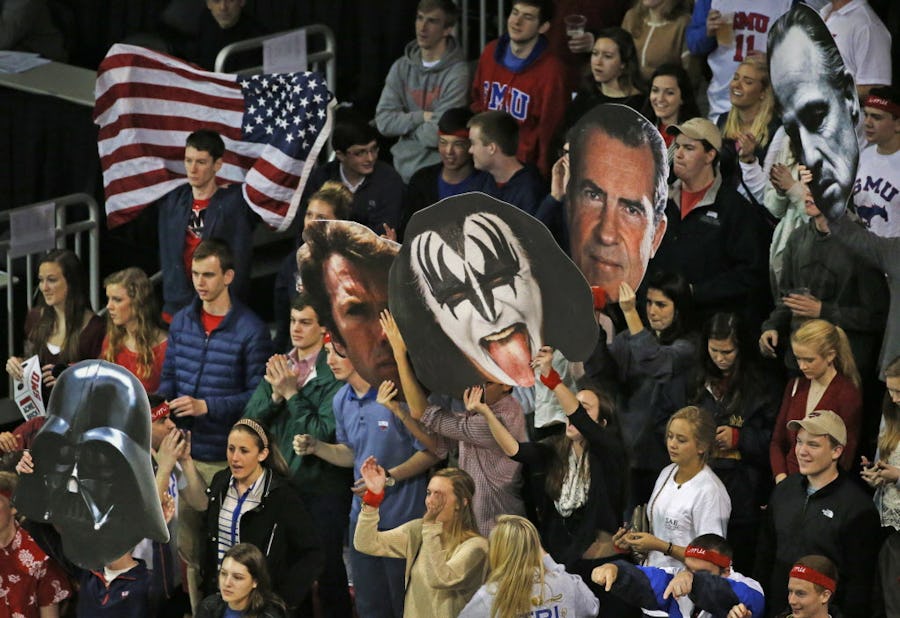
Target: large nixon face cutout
(478, 287)
(93, 478)
(819, 104)
(616, 196)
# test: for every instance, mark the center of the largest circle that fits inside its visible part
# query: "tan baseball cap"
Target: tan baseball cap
(822, 423)
(698, 128)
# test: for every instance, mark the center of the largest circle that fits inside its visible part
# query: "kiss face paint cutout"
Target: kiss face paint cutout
(479, 287)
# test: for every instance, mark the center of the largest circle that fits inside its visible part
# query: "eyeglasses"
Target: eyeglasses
(361, 152)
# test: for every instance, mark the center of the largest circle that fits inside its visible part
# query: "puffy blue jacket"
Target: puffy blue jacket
(223, 369)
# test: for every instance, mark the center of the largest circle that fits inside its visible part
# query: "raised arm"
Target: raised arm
(472, 399)
(628, 305)
(412, 390)
(387, 393)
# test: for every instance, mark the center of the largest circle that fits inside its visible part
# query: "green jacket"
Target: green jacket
(307, 412)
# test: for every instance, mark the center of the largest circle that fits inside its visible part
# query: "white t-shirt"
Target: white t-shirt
(752, 21)
(679, 513)
(863, 40)
(876, 191)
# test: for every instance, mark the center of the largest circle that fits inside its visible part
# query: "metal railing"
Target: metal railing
(69, 234)
(482, 21)
(321, 57)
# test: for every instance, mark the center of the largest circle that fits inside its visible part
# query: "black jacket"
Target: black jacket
(838, 521)
(567, 538)
(279, 526)
(721, 249)
(214, 606)
(748, 479)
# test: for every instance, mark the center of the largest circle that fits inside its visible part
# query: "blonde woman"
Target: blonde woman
(133, 339)
(446, 558)
(688, 499)
(830, 381)
(525, 581)
(748, 127)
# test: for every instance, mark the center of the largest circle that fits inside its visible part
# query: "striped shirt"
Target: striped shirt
(233, 506)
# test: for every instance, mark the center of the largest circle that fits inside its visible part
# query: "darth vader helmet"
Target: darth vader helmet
(93, 477)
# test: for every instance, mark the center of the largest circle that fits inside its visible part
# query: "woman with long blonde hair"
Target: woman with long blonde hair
(446, 558)
(748, 127)
(525, 580)
(133, 338)
(829, 381)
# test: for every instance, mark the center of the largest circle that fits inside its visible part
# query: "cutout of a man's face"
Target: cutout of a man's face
(358, 295)
(478, 287)
(344, 266)
(485, 297)
(612, 226)
(819, 115)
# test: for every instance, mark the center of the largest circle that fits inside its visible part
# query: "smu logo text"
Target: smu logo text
(510, 100)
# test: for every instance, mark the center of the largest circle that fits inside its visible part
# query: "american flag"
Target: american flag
(147, 103)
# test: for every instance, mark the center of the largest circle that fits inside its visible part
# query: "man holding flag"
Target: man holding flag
(260, 134)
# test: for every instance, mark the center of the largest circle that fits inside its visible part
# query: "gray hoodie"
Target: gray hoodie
(410, 90)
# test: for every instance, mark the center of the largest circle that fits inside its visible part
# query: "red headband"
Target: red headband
(720, 560)
(159, 412)
(883, 104)
(811, 575)
(463, 133)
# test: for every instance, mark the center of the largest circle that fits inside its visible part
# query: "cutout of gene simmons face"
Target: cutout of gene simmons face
(477, 282)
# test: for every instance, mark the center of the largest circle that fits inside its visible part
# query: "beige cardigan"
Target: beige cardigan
(438, 585)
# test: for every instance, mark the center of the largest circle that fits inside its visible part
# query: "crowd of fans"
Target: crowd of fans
(740, 408)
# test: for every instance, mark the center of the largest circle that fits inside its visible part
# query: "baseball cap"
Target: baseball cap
(822, 423)
(698, 128)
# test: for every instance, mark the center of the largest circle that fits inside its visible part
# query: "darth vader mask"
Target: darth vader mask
(93, 477)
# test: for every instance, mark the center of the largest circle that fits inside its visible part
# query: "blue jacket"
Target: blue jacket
(228, 218)
(223, 369)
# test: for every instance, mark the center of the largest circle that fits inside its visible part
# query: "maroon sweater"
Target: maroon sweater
(841, 397)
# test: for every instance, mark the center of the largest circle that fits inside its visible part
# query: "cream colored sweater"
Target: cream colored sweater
(437, 585)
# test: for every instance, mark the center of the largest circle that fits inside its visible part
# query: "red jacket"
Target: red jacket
(841, 397)
(535, 96)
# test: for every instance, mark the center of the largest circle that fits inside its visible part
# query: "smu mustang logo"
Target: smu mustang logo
(510, 100)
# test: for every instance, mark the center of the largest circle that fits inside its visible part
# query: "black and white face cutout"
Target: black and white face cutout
(483, 295)
(478, 287)
(819, 104)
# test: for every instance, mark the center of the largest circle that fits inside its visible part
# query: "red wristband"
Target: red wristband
(551, 381)
(373, 500)
(735, 436)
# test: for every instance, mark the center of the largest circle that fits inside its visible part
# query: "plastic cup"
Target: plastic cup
(575, 25)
